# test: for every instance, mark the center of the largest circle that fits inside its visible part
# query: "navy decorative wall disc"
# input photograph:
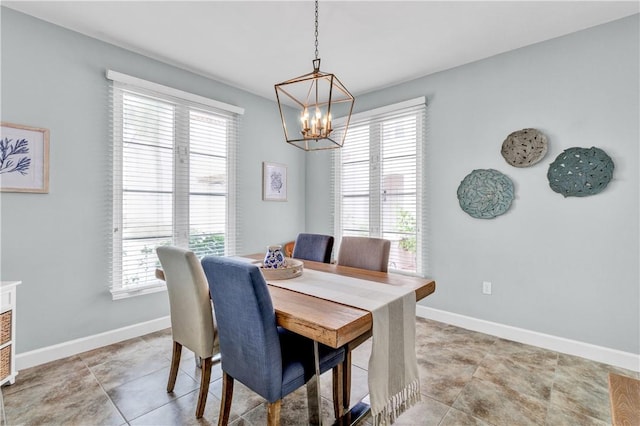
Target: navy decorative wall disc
(580, 172)
(524, 147)
(485, 193)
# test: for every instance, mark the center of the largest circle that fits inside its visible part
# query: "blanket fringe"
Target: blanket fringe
(398, 404)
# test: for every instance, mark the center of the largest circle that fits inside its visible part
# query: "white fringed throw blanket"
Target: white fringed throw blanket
(394, 385)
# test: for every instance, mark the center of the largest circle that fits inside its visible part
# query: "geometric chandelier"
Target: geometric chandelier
(317, 98)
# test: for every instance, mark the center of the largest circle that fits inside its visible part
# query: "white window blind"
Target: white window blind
(173, 179)
(378, 182)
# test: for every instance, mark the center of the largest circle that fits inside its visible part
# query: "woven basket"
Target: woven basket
(524, 147)
(5, 327)
(5, 362)
(293, 268)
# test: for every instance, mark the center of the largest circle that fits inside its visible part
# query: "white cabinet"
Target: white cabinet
(8, 371)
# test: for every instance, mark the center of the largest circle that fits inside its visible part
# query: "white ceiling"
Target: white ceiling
(367, 44)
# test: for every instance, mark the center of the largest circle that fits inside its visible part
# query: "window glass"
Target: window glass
(378, 172)
(171, 172)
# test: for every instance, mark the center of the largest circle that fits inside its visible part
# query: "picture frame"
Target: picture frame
(24, 158)
(274, 181)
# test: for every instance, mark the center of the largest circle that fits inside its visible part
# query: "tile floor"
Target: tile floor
(467, 378)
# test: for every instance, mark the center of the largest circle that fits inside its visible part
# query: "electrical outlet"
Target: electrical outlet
(486, 287)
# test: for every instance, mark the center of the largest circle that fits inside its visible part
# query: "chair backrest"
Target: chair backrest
(249, 342)
(288, 248)
(191, 317)
(365, 253)
(314, 247)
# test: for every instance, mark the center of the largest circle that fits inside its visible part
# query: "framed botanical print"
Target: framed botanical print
(274, 182)
(24, 159)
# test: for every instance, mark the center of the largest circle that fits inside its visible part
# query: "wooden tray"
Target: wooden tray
(293, 268)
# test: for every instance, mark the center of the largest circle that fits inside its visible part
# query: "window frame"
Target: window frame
(377, 117)
(184, 103)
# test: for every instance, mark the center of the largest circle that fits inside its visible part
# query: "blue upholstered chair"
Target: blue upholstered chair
(314, 247)
(268, 359)
(192, 322)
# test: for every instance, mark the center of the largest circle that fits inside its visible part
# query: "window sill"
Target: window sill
(125, 293)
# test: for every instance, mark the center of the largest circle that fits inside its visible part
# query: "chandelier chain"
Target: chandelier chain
(316, 33)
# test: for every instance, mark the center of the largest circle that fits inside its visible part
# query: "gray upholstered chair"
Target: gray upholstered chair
(365, 253)
(192, 324)
(268, 359)
(314, 247)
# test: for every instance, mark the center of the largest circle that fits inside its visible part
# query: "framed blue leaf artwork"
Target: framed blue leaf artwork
(24, 159)
(274, 182)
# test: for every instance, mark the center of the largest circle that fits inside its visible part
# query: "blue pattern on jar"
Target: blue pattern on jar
(274, 258)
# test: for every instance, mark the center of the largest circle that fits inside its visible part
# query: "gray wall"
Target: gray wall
(565, 267)
(56, 243)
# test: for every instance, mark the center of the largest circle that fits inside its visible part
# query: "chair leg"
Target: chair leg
(225, 402)
(175, 363)
(346, 380)
(205, 376)
(338, 391)
(273, 413)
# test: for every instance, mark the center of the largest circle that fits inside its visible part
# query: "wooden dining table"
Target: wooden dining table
(331, 323)
(335, 324)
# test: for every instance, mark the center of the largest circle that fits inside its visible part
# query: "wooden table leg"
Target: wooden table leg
(314, 397)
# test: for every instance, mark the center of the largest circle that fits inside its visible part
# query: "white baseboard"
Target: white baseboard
(614, 357)
(73, 347)
(609, 356)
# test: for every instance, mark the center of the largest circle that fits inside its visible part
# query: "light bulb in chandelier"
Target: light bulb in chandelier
(318, 127)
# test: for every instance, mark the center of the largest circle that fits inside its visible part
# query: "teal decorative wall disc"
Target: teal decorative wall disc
(580, 172)
(485, 193)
